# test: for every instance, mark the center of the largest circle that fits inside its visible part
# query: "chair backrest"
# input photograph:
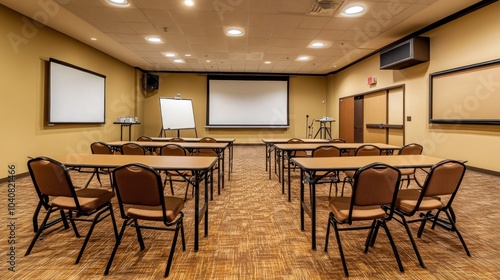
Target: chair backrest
(144, 139)
(208, 140)
(173, 150)
(444, 178)
(132, 149)
(337, 140)
(297, 153)
(206, 152)
(51, 178)
(411, 149)
(138, 184)
(101, 148)
(375, 184)
(176, 139)
(295, 141)
(367, 150)
(326, 151)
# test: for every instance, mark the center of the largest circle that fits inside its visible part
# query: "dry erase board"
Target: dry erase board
(466, 95)
(177, 113)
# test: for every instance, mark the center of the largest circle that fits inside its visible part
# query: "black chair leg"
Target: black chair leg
(118, 241)
(172, 251)
(39, 232)
(341, 251)
(394, 249)
(328, 232)
(408, 231)
(139, 235)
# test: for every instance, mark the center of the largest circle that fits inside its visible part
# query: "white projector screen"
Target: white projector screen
(76, 95)
(236, 102)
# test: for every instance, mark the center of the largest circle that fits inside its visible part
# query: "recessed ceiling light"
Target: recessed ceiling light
(119, 2)
(188, 55)
(303, 58)
(169, 54)
(208, 60)
(234, 32)
(317, 44)
(154, 39)
(267, 62)
(189, 3)
(93, 39)
(353, 10)
(179, 61)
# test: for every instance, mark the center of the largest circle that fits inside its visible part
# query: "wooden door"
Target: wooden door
(375, 117)
(346, 118)
(395, 116)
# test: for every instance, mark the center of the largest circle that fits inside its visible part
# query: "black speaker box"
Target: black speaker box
(150, 81)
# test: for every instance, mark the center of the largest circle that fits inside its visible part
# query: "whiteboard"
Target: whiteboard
(177, 113)
(77, 95)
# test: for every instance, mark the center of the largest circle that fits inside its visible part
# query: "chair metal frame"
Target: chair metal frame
(72, 214)
(177, 223)
(359, 152)
(388, 207)
(427, 214)
(179, 151)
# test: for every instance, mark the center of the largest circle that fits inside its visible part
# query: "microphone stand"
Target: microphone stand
(307, 121)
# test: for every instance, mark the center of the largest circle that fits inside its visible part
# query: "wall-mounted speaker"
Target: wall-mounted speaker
(405, 54)
(150, 81)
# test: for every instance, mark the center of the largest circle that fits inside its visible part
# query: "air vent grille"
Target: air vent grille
(324, 7)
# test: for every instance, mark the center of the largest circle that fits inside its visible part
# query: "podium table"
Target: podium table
(325, 128)
(126, 124)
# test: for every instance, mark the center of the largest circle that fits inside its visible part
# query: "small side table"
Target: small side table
(126, 124)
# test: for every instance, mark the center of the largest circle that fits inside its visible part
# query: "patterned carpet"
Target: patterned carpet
(254, 233)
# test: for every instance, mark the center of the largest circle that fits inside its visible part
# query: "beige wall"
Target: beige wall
(470, 39)
(24, 50)
(307, 96)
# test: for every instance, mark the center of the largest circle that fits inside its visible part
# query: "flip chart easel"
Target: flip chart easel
(176, 114)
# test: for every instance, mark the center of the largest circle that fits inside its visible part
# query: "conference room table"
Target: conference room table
(286, 149)
(218, 148)
(230, 146)
(310, 165)
(270, 142)
(199, 166)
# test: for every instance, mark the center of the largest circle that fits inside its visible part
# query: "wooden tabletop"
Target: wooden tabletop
(157, 144)
(156, 162)
(284, 140)
(165, 139)
(342, 146)
(356, 162)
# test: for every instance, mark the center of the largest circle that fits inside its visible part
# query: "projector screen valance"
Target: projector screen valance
(76, 95)
(247, 101)
(466, 95)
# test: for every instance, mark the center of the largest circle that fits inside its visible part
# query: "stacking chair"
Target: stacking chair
(143, 138)
(295, 153)
(140, 197)
(374, 193)
(178, 176)
(176, 139)
(57, 194)
(337, 140)
(441, 184)
(323, 176)
(408, 174)
(132, 149)
(363, 150)
(102, 149)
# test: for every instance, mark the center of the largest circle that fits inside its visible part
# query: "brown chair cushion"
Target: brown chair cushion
(173, 206)
(89, 199)
(407, 201)
(339, 206)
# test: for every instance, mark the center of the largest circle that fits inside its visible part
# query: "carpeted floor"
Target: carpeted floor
(254, 233)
